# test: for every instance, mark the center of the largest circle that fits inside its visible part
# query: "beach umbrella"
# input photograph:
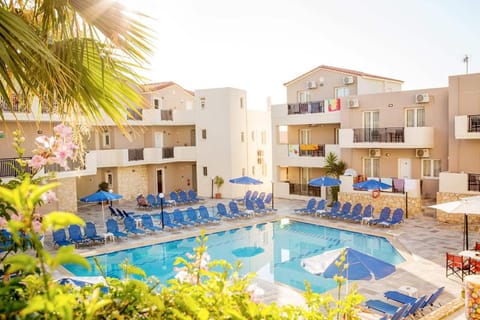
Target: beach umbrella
(371, 184)
(325, 181)
(101, 196)
(465, 206)
(245, 180)
(361, 266)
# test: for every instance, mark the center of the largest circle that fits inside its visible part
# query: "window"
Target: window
(303, 96)
(156, 103)
(370, 119)
(106, 139)
(260, 156)
(253, 170)
(243, 172)
(283, 134)
(109, 179)
(242, 136)
(202, 102)
(204, 133)
(205, 171)
(253, 135)
(415, 117)
(371, 167)
(241, 102)
(342, 92)
(431, 168)
(264, 137)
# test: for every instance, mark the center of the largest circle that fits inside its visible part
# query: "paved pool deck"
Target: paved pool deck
(421, 240)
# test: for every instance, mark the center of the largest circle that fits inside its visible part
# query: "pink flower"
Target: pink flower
(49, 197)
(45, 141)
(3, 222)
(37, 226)
(63, 131)
(37, 162)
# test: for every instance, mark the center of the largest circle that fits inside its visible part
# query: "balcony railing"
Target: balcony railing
(307, 107)
(9, 167)
(473, 182)
(306, 150)
(71, 164)
(167, 153)
(135, 154)
(474, 123)
(392, 134)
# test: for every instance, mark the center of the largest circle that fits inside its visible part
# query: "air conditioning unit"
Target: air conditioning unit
(422, 98)
(348, 80)
(353, 103)
(374, 153)
(422, 153)
(311, 84)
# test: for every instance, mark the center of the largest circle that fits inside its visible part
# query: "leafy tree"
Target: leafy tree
(335, 168)
(78, 58)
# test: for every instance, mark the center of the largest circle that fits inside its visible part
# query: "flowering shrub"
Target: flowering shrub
(197, 292)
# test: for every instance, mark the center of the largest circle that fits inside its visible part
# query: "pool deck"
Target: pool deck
(421, 240)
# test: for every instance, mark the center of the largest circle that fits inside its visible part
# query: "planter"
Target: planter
(218, 195)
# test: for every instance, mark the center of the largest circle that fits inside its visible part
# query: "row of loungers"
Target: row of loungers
(180, 197)
(134, 224)
(405, 306)
(355, 213)
(255, 196)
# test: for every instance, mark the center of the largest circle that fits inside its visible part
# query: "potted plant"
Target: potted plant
(218, 181)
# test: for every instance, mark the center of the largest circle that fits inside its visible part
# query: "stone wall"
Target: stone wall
(66, 194)
(132, 181)
(385, 200)
(442, 216)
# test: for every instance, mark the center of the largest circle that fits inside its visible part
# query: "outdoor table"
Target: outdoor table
(409, 290)
(470, 254)
(109, 236)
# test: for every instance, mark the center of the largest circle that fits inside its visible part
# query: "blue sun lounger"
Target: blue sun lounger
(112, 227)
(382, 306)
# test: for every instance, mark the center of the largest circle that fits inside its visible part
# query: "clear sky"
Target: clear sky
(257, 45)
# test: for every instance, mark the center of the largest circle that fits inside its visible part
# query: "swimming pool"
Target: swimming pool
(273, 250)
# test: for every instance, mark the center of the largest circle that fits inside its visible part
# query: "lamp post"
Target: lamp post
(161, 208)
(212, 186)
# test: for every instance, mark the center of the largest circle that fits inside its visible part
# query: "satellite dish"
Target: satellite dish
(350, 172)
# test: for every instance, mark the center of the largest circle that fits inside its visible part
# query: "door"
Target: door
(404, 168)
(160, 181)
(158, 139)
(304, 178)
(370, 125)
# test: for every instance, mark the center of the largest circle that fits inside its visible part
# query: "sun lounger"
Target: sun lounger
(367, 214)
(60, 238)
(399, 297)
(382, 306)
(356, 212)
(179, 218)
(112, 227)
(131, 226)
(147, 223)
(333, 210)
(91, 233)
(222, 212)
(167, 221)
(384, 215)
(203, 211)
(76, 236)
(192, 216)
(309, 208)
(236, 211)
(343, 212)
(320, 208)
(397, 217)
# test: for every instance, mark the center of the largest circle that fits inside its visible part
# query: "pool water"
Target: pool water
(273, 250)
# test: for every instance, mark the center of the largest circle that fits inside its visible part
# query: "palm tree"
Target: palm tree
(77, 58)
(335, 168)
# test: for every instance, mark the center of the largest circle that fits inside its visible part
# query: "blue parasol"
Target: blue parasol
(325, 181)
(371, 184)
(245, 180)
(101, 196)
(361, 266)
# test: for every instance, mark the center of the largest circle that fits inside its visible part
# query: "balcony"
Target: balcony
(9, 167)
(306, 155)
(143, 156)
(392, 137)
(168, 116)
(467, 127)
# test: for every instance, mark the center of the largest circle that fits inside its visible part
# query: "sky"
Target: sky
(258, 45)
